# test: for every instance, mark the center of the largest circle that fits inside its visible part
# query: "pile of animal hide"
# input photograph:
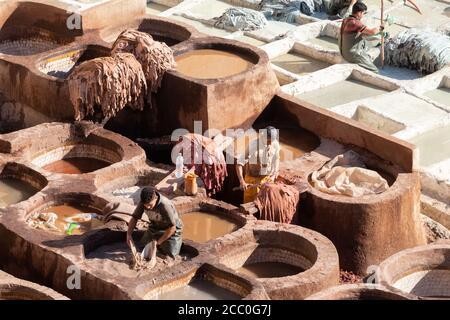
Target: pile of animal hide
(43, 221)
(209, 162)
(103, 86)
(346, 174)
(242, 19)
(277, 202)
(424, 51)
(289, 10)
(155, 57)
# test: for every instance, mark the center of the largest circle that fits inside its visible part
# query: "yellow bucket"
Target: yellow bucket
(190, 184)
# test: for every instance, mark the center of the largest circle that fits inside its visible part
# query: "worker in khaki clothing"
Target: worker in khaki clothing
(260, 163)
(353, 44)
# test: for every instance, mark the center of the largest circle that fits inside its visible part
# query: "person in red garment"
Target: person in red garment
(353, 44)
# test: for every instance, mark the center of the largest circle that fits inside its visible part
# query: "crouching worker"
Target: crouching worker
(165, 224)
(353, 44)
(260, 162)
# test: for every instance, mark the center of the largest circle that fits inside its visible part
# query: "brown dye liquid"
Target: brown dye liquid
(13, 191)
(211, 64)
(270, 269)
(67, 211)
(295, 142)
(202, 226)
(76, 165)
(199, 290)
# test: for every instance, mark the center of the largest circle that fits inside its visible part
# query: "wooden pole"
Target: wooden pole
(382, 34)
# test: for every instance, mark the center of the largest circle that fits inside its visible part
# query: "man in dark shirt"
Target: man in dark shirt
(165, 224)
(352, 43)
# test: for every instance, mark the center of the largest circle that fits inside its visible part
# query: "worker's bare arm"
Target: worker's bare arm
(166, 235)
(371, 31)
(240, 174)
(131, 226)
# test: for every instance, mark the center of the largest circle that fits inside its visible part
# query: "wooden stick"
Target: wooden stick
(382, 34)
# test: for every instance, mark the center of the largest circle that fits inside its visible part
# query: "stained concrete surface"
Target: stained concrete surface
(340, 93)
(441, 95)
(298, 63)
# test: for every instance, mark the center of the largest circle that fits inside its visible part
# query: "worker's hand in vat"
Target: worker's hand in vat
(135, 255)
(244, 185)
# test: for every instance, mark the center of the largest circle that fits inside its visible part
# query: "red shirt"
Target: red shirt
(352, 25)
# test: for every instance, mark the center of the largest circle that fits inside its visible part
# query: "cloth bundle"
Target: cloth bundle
(346, 175)
(242, 19)
(277, 202)
(155, 57)
(289, 10)
(110, 83)
(43, 221)
(209, 162)
(424, 51)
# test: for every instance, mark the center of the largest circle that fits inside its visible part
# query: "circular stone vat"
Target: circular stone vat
(13, 191)
(198, 289)
(15, 289)
(29, 28)
(27, 41)
(367, 229)
(420, 272)
(107, 250)
(213, 59)
(210, 222)
(224, 83)
(80, 209)
(30, 44)
(291, 262)
(211, 63)
(76, 165)
(18, 183)
(206, 283)
(361, 291)
(168, 31)
(78, 158)
(61, 65)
